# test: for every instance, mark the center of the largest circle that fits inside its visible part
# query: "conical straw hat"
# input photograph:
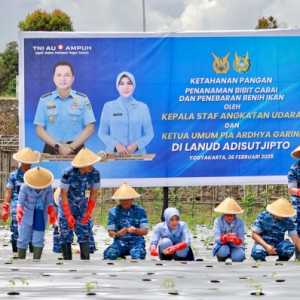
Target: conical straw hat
(229, 206)
(296, 153)
(38, 178)
(125, 192)
(281, 208)
(85, 158)
(27, 156)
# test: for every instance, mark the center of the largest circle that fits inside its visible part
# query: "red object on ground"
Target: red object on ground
(89, 210)
(52, 214)
(5, 211)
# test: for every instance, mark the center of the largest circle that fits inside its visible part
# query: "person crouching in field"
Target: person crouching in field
(268, 232)
(229, 232)
(35, 203)
(171, 239)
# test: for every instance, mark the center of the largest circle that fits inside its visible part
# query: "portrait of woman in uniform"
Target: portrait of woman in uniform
(125, 123)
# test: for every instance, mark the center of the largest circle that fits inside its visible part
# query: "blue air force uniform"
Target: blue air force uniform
(14, 182)
(128, 244)
(35, 205)
(76, 184)
(272, 230)
(125, 121)
(294, 182)
(64, 119)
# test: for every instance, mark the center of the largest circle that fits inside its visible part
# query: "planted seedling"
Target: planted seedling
(90, 286)
(169, 285)
(257, 286)
(13, 285)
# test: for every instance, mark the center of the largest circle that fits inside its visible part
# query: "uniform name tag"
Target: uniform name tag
(117, 114)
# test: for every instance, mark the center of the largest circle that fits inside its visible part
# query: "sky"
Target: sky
(161, 15)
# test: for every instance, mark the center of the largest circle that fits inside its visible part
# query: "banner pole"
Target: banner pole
(165, 201)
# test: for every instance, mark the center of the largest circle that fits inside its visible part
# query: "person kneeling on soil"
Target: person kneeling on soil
(229, 232)
(35, 203)
(269, 229)
(127, 225)
(171, 239)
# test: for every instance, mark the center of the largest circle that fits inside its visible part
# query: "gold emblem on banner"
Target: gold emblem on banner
(241, 63)
(220, 64)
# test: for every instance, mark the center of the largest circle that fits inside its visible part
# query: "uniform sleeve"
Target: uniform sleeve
(292, 177)
(217, 230)
(104, 130)
(111, 223)
(96, 181)
(50, 199)
(65, 182)
(257, 225)
(88, 113)
(147, 129)
(40, 116)
(241, 230)
(10, 182)
(291, 228)
(186, 237)
(22, 196)
(143, 219)
(156, 235)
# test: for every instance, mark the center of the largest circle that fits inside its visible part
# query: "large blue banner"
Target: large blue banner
(219, 108)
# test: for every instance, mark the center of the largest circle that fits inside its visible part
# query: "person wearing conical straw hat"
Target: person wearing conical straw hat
(269, 228)
(294, 189)
(56, 235)
(171, 239)
(127, 225)
(25, 157)
(35, 203)
(229, 232)
(75, 210)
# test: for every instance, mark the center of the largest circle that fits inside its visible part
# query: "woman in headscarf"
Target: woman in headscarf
(171, 239)
(125, 123)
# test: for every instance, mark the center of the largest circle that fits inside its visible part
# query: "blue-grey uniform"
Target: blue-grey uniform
(64, 119)
(128, 244)
(221, 227)
(163, 236)
(35, 206)
(125, 121)
(76, 185)
(14, 182)
(294, 182)
(273, 230)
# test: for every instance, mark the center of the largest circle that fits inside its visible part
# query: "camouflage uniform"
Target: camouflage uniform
(272, 230)
(294, 182)
(128, 244)
(14, 183)
(76, 184)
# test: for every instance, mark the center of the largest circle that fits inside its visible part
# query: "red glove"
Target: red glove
(89, 210)
(224, 239)
(177, 247)
(20, 213)
(5, 211)
(153, 250)
(68, 214)
(297, 193)
(234, 239)
(52, 214)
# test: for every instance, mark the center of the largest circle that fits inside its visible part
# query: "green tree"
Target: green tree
(267, 23)
(9, 69)
(40, 20)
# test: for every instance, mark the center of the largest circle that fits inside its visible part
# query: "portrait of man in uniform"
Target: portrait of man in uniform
(64, 118)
